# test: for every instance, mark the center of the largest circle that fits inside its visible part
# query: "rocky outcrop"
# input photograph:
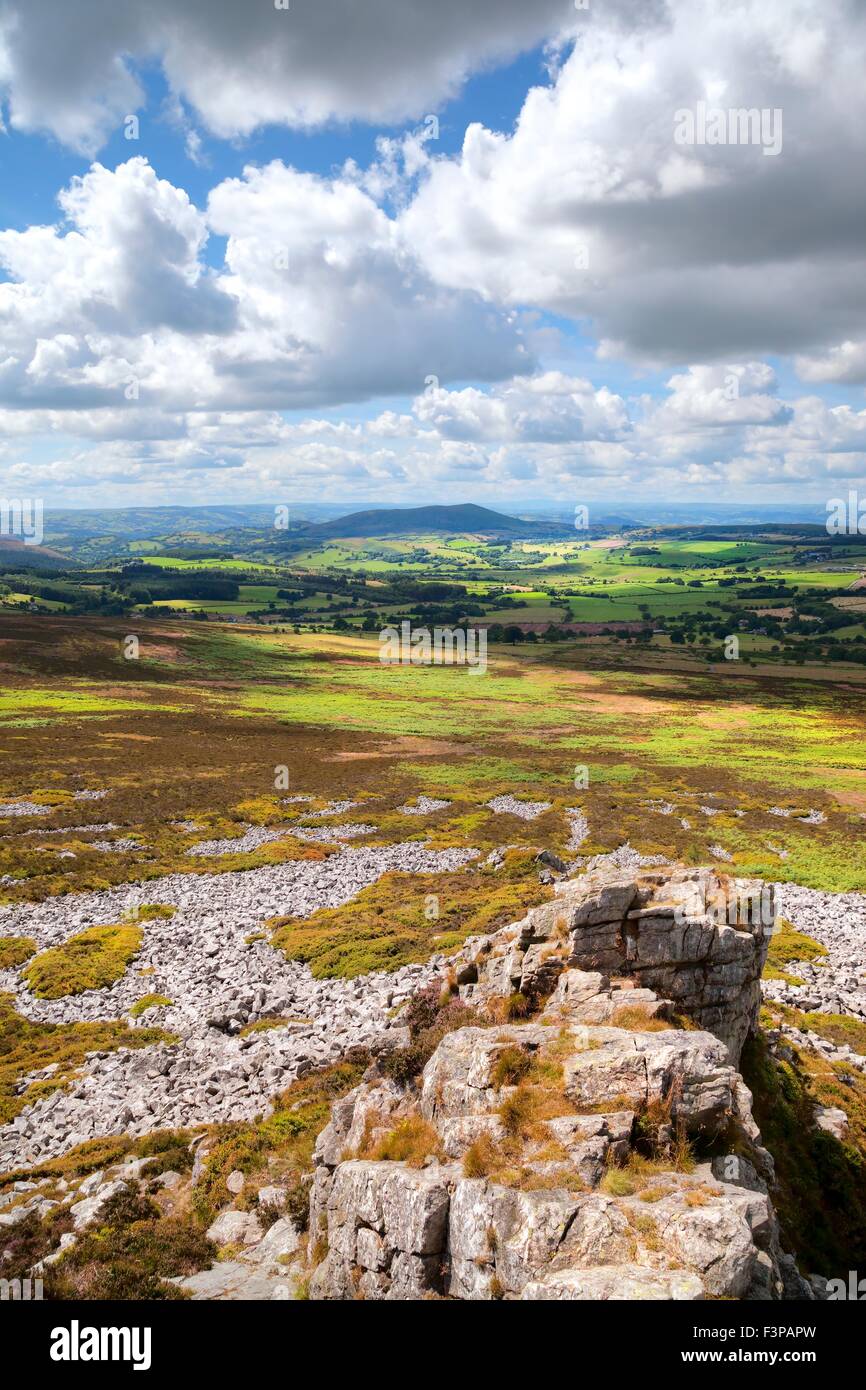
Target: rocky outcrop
(692, 936)
(572, 1207)
(596, 1151)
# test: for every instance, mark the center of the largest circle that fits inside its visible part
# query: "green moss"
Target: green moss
(264, 1025)
(787, 945)
(149, 1001)
(14, 950)
(771, 972)
(89, 960)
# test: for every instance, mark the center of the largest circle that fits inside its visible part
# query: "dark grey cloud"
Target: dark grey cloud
(71, 67)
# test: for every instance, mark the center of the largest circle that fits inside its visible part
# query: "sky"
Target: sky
(505, 253)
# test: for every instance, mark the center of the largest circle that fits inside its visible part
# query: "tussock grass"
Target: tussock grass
(638, 1019)
(410, 1142)
(511, 1066)
(533, 1091)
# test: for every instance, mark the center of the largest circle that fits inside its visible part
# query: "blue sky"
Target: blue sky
(284, 289)
(34, 167)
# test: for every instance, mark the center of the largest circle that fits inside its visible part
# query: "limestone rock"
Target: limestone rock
(235, 1228)
(693, 937)
(551, 1220)
(622, 1283)
(279, 1240)
(687, 1071)
(385, 1215)
(832, 1120)
(235, 1281)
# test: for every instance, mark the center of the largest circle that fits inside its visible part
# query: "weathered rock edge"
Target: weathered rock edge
(388, 1230)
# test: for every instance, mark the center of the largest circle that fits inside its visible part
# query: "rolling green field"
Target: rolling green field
(647, 577)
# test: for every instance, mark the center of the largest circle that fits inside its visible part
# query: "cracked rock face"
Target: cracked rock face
(394, 1231)
(691, 936)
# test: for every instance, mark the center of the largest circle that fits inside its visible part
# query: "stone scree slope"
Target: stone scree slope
(561, 1229)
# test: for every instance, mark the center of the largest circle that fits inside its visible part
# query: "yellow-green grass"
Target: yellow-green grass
(267, 1025)
(313, 700)
(408, 917)
(839, 1029)
(411, 1142)
(169, 562)
(788, 945)
(161, 851)
(79, 703)
(149, 1001)
(15, 950)
(90, 959)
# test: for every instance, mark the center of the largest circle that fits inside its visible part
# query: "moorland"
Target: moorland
(615, 711)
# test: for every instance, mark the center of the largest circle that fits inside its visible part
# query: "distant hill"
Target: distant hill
(400, 521)
(14, 555)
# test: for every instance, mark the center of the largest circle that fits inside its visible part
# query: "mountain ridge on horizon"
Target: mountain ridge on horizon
(462, 516)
